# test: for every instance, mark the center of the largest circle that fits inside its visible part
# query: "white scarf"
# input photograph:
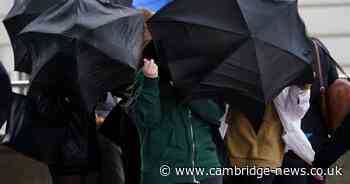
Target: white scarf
(291, 105)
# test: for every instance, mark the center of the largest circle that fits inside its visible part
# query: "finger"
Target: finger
(146, 63)
(153, 63)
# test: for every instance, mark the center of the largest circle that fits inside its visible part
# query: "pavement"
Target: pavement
(344, 163)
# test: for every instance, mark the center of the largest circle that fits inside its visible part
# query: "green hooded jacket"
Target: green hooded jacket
(172, 134)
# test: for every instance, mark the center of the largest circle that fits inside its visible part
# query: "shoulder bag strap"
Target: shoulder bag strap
(319, 72)
(334, 62)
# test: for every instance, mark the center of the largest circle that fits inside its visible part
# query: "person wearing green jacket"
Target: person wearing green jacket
(174, 135)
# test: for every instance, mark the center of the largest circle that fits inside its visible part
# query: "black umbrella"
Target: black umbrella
(105, 40)
(53, 67)
(5, 94)
(21, 14)
(239, 48)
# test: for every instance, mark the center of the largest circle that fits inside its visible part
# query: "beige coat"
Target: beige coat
(248, 149)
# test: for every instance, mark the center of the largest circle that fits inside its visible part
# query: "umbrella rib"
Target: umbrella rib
(290, 78)
(243, 68)
(226, 76)
(259, 73)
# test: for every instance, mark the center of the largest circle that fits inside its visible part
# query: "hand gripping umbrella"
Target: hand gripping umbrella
(105, 40)
(239, 48)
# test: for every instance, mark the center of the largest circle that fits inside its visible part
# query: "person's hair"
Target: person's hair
(148, 14)
(147, 34)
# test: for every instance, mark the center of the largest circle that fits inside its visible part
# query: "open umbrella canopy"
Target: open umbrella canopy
(54, 67)
(104, 39)
(5, 94)
(20, 15)
(98, 74)
(153, 5)
(249, 48)
(52, 63)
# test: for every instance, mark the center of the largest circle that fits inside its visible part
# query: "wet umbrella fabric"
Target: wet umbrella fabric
(106, 39)
(54, 67)
(5, 94)
(20, 15)
(98, 74)
(249, 48)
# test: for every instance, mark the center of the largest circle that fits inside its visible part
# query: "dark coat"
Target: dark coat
(313, 124)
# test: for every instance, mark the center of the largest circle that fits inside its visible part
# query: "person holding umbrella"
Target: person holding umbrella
(280, 131)
(246, 53)
(173, 134)
(15, 167)
(315, 127)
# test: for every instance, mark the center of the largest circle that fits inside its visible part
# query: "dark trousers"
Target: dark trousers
(293, 161)
(268, 179)
(337, 146)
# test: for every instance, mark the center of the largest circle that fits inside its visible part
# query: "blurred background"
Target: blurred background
(325, 19)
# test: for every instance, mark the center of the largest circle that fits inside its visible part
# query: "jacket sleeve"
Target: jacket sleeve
(336, 147)
(208, 110)
(147, 107)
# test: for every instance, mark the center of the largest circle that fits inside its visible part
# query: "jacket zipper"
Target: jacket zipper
(193, 146)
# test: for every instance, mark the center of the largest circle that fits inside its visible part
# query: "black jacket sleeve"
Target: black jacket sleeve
(337, 146)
